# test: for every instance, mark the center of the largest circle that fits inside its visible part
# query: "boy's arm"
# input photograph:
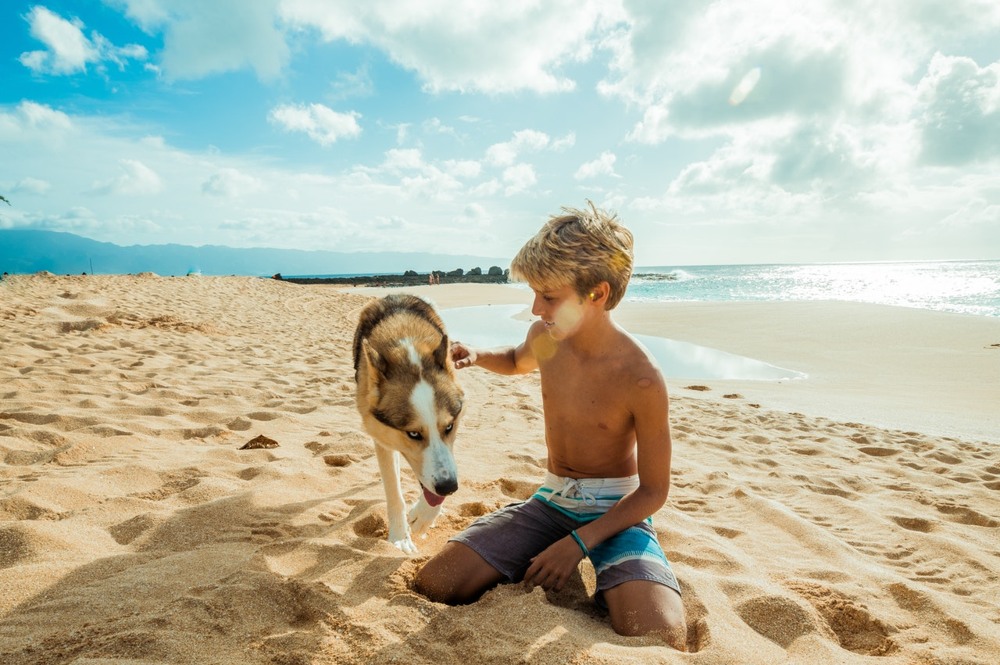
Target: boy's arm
(553, 567)
(518, 359)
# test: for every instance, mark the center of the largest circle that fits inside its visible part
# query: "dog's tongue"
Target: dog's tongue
(431, 498)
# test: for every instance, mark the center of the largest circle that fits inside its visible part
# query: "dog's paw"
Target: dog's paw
(422, 515)
(405, 545)
(400, 538)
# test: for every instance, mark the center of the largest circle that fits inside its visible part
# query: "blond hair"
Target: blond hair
(581, 248)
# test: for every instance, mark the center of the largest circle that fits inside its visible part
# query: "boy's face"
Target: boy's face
(560, 309)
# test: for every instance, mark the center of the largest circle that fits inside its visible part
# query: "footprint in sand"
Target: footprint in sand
(780, 619)
(338, 460)
(474, 509)
(372, 525)
(878, 451)
(517, 489)
(855, 627)
(914, 523)
(965, 515)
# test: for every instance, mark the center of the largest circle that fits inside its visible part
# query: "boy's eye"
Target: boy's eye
(416, 436)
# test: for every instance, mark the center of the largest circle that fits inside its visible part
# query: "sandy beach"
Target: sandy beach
(849, 517)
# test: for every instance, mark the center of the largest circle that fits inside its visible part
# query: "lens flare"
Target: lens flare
(568, 316)
(745, 87)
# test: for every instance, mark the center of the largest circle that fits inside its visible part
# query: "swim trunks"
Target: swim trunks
(508, 538)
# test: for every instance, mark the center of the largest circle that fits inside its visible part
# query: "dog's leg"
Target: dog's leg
(422, 516)
(399, 530)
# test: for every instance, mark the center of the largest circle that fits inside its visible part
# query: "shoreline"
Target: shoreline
(938, 378)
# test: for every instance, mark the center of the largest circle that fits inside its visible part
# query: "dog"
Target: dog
(410, 404)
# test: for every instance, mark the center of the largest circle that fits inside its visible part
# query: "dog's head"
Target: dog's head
(407, 387)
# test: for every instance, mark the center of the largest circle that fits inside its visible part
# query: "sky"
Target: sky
(734, 131)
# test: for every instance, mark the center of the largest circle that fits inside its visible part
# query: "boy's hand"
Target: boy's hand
(553, 567)
(462, 355)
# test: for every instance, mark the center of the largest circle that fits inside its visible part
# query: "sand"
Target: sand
(835, 519)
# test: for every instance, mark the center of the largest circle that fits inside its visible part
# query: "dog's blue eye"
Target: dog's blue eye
(416, 436)
(451, 426)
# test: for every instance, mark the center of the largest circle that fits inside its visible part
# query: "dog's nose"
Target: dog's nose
(446, 486)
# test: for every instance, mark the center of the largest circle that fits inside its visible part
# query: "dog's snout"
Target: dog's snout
(446, 486)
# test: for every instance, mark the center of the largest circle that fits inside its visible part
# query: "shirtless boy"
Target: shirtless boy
(607, 436)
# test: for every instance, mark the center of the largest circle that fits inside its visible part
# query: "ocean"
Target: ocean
(963, 287)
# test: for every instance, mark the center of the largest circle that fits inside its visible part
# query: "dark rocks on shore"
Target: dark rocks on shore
(410, 278)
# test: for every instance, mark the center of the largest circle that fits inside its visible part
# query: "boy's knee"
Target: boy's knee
(429, 585)
(646, 608)
(672, 629)
(437, 585)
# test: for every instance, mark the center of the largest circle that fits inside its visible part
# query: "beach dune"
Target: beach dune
(135, 529)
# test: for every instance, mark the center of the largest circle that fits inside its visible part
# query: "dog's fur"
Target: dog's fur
(410, 404)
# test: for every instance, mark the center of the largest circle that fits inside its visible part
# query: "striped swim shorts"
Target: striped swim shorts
(508, 538)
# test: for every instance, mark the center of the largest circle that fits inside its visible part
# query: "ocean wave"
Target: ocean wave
(672, 276)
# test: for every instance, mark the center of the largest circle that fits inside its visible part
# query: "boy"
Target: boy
(607, 437)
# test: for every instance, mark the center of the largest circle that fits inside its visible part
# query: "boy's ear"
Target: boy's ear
(600, 292)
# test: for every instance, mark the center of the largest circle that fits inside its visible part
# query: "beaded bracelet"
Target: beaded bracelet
(579, 541)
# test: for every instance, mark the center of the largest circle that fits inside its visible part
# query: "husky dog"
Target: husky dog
(410, 405)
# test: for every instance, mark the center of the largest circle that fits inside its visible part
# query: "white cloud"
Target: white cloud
(68, 50)
(959, 111)
(32, 186)
(321, 123)
(204, 38)
(134, 179)
(518, 178)
(406, 159)
(467, 45)
(525, 140)
(463, 168)
(231, 183)
(31, 120)
(603, 165)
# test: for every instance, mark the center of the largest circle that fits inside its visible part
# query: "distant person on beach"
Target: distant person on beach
(606, 433)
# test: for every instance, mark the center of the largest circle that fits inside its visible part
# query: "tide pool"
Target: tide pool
(499, 325)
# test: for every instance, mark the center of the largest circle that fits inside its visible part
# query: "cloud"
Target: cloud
(463, 168)
(205, 38)
(321, 123)
(31, 120)
(959, 111)
(467, 45)
(518, 178)
(525, 140)
(135, 179)
(231, 183)
(32, 186)
(406, 159)
(603, 165)
(68, 50)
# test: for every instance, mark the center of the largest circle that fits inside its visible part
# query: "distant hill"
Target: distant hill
(29, 251)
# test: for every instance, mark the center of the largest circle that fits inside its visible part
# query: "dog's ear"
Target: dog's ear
(377, 365)
(441, 353)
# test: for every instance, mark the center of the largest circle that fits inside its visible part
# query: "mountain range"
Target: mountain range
(30, 251)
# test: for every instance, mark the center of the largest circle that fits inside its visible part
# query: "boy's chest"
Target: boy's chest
(593, 396)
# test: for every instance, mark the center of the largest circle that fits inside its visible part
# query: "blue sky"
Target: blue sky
(735, 131)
